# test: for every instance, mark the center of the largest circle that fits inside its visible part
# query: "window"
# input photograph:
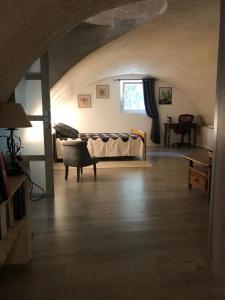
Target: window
(132, 96)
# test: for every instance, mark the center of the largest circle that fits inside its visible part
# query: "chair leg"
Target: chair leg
(182, 138)
(78, 174)
(189, 139)
(95, 170)
(81, 170)
(66, 172)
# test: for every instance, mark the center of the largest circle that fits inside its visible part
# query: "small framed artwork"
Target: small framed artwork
(165, 95)
(84, 101)
(102, 91)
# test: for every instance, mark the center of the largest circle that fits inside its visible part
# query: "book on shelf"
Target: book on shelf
(10, 213)
(19, 208)
(3, 221)
(4, 189)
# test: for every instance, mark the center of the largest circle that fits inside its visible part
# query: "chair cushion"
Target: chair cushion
(65, 131)
(75, 153)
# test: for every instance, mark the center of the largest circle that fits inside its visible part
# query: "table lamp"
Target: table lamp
(13, 116)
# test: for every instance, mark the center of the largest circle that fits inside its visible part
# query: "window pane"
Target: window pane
(133, 98)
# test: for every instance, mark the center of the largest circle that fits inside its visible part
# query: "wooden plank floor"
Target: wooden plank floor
(132, 234)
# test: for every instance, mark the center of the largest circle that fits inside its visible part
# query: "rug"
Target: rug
(113, 164)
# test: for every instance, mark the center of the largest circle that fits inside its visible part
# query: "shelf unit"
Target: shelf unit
(15, 247)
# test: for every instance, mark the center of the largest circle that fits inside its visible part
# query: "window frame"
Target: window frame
(129, 111)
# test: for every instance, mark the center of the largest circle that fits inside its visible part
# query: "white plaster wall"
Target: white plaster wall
(181, 104)
(105, 114)
(206, 137)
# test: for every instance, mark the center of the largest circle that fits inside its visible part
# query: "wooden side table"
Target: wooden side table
(199, 172)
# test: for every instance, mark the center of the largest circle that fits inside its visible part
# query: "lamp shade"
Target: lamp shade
(12, 115)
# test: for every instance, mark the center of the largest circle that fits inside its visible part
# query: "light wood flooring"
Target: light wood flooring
(133, 234)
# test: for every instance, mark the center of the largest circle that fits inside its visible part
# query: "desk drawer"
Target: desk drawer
(198, 179)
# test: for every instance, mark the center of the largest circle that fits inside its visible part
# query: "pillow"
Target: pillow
(65, 131)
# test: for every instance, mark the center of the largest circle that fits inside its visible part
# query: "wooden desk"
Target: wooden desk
(199, 175)
(167, 134)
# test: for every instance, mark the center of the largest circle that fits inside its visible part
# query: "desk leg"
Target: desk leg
(195, 132)
(168, 137)
(165, 136)
(190, 166)
(189, 138)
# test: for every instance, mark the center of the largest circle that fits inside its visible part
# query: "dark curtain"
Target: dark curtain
(151, 108)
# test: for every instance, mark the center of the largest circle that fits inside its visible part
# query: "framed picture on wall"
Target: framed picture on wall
(84, 101)
(102, 91)
(165, 95)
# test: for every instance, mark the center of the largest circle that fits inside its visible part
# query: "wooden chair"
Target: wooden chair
(76, 154)
(184, 128)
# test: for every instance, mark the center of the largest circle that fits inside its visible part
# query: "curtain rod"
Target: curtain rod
(119, 79)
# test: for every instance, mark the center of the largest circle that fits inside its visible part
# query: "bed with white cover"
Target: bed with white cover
(103, 145)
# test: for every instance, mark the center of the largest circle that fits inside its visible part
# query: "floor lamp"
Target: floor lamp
(12, 117)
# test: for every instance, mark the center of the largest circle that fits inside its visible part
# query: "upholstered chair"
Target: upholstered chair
(75, 154)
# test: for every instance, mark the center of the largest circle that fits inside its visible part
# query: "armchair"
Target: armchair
(75, 154)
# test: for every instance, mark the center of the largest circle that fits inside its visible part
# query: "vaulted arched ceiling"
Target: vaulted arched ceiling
(180, 48)
(27, 27)
(98, 31)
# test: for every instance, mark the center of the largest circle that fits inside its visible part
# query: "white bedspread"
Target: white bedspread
(111, 148)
